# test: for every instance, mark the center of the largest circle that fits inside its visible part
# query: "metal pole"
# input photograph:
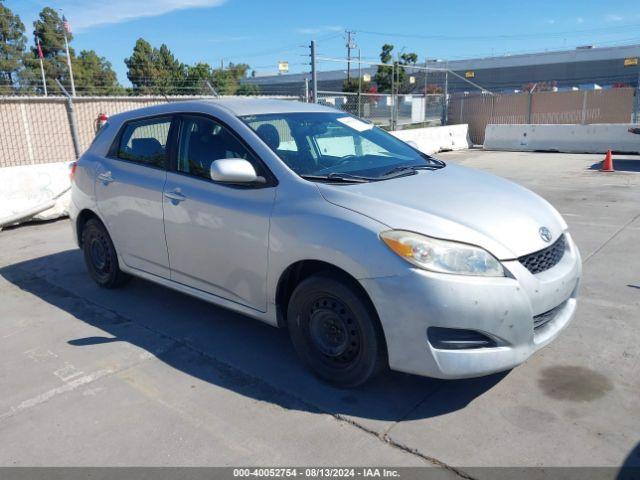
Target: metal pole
(306, 89)
(210, 87)
(359, 85)
(637, 109)
(44, 81)
(314, 73)
(66, 46)
(426, 72)
(349, 55)
(71, 114)
(426, 90)
(445, 108)
(392, 97)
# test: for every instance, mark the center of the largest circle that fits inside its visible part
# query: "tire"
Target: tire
(335, 331)
(100, 256)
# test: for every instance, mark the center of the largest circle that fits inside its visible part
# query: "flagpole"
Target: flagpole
(44, 81)
(66, 46)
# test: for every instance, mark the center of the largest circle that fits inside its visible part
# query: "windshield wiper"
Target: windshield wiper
(411, 169)
(339, 177)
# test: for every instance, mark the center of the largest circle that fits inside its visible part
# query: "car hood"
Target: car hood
(456, 203)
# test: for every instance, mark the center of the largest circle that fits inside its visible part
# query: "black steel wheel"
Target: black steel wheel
(100, 256)
(335, 331)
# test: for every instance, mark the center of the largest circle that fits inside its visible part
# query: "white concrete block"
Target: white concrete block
(437, 139)
(28, 186)
(570, 138)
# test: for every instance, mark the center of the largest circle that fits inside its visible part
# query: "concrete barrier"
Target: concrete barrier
(25, 187)
(570, 138)
(437, 139)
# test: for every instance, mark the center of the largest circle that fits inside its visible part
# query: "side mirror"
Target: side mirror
(234, 170)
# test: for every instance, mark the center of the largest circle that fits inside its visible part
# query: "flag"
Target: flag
(65, 24)
(40, 55)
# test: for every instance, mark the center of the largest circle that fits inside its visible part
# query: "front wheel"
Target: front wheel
(335, 331)
(100, 256)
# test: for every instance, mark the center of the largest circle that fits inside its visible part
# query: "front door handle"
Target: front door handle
(175, 196)
(105, 177)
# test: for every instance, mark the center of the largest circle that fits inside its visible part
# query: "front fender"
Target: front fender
(307, 227)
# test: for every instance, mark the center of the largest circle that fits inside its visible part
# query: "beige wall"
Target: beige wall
(36, 130)
(585, 106)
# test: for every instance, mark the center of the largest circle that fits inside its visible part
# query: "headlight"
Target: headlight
(441, 255)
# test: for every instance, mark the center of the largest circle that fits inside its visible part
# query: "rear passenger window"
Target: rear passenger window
(145, 142)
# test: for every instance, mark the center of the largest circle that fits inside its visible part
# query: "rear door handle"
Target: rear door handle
(105, 177)
(175, 196)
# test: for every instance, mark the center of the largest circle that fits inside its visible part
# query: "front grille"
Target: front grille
(541, 320)
(545, 259)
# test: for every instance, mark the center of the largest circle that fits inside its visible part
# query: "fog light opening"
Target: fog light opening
(458, 339)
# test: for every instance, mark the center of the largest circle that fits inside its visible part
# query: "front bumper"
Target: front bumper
(501, 308)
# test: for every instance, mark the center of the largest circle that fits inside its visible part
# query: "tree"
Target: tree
(353, 85)
(406, 59)
(94, 75)
(49, 29)
(196, 78)
(248, 89)
(169, 72)
(155, 71)
(226, 81)
(385, 75)
(12, 48)
(141, 68)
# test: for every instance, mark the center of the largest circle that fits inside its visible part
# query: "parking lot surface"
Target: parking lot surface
(147, 376)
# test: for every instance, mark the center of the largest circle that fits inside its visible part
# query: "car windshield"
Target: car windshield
(337, 147)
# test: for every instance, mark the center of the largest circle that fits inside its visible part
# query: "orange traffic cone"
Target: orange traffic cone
(607, 163)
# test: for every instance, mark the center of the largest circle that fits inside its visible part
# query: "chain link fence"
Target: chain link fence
(387, 110)
(37, 130)
(616, 105)
(394, 95)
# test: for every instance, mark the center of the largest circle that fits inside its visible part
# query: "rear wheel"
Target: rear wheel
(100, 256)
(335, 332)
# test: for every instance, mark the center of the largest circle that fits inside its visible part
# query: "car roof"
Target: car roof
(256, 106)
(237, 106)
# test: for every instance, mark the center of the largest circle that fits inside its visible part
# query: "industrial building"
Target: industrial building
(582, 68)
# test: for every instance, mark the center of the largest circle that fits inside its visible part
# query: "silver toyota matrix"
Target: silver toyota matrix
(370, 252)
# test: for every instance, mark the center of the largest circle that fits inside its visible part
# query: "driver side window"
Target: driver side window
(202, 142)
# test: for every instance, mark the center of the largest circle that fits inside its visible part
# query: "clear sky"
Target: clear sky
(262, 32)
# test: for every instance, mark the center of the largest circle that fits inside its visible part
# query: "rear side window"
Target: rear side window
(145, 142)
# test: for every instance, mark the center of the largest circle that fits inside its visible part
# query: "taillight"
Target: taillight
(72, 170)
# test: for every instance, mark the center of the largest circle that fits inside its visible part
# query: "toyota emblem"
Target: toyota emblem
(545, 234)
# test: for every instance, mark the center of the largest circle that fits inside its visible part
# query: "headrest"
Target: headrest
(146, 146)
(269, 134)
